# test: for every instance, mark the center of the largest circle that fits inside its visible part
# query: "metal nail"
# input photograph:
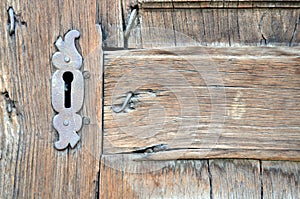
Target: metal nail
(130, 24)
(11, 14)
(127, 100)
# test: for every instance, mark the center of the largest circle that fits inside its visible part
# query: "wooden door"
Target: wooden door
(213, 111)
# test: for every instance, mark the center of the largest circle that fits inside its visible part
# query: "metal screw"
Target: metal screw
(67, 59)
(86, 74)
(86, 120)
(66, 123)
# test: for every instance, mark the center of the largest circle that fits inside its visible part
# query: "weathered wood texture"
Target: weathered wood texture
(235, 178)
(129, 177)
(213, 23)
(30, 167)
(122, 177)
(281, 179)
(114, 17)
(230, 102)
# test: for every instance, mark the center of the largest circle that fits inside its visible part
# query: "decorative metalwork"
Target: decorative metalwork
(67, 90)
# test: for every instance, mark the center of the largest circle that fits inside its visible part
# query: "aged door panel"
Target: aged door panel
(186, 103)
(204, 102)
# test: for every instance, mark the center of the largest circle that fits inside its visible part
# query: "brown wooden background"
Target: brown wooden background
(30, 167)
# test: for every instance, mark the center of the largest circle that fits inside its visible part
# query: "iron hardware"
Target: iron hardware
(67, 94)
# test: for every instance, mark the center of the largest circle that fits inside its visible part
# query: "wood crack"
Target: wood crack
(152, 149)
(261, 180)
(97, 183)
(210, 180)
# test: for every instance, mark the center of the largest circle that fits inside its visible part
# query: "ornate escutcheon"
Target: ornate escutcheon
(67, 92)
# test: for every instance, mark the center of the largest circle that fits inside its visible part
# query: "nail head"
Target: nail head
(86, 74)
(86, 120)
(66, 123)
(67, 59)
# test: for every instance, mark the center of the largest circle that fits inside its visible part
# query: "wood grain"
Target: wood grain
(281, 179)
(218, 178)
(222, 23)
(235, 178)
(153, 179)
(182, 4)
(208, 153)
(165, 23)
(238, 100)
(30, 167)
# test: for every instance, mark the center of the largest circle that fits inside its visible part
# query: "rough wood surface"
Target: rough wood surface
(122, 177)
(209, 26)
(171, 4)
(30, 167)
(235, 178)
(281, 179)
(241, 100)
(114, 18)
(213, 23)
(129, 177)
(188, 154)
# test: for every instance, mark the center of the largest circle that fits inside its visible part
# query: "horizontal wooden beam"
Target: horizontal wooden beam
(221, 102)
(196, 4)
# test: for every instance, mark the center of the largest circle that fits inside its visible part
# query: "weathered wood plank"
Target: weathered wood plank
(213, 23)
(123, 177)
(235, 178)
(230, 26)
(183, 4)
(110, 16)
(30, 167)
(281, 179)
(241, 100)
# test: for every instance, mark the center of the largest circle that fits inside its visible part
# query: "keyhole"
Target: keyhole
(68, 78)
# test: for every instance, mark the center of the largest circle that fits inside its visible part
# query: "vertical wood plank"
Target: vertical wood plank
(123, 177)
(235, 178)
(281, 179)
(30, 167)
(110, 16)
